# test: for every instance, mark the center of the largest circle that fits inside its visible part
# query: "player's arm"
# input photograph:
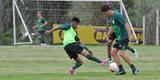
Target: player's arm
(110, 31)
(62, 27)
(53, 29)
(34, 27)
(45, 22)
(129, 31)
(108, 27)
(123, 22)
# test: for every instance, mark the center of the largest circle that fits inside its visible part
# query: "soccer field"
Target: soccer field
(36, 63)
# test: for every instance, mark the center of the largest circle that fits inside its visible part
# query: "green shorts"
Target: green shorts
(121, 44)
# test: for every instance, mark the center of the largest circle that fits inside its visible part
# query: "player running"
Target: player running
(41, 25)
(73, 48)
(111, 39)
(123, 34)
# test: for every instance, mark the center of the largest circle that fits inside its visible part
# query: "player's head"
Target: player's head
(75, 21)
(39, 13)
(107, 10)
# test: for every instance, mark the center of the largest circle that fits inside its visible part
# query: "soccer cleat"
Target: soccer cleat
(121, 73)
(135, 54)
(105, 61)
(135, 71)
(72, 71)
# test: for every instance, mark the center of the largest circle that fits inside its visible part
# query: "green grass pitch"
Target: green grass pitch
(36, 63)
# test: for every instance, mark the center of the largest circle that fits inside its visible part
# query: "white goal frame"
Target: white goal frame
(15, 7)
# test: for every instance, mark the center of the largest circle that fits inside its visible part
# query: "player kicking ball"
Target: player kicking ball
(73, 48)
(123, 35)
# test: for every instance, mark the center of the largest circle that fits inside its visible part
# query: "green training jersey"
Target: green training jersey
(118, 22)
(40, 22)
(69, 34)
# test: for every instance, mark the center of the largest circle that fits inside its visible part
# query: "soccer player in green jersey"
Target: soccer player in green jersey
(73, 48)
(123, 34)
(111, 39)
(41, 25)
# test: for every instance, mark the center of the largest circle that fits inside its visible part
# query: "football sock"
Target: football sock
(77, 64)
(131, 49)
(91, 57)
(109, 57)
(88, 50)
(121, 68)
(109, 52)
(132, 67)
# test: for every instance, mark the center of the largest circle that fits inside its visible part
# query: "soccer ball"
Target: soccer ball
(113, 67)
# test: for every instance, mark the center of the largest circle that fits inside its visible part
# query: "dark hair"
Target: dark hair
(76, 19)
(106, 8)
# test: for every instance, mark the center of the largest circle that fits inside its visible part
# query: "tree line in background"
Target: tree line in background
(89, 12)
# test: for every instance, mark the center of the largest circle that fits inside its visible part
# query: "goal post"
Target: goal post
(157, 27)
(57, 11)
(25, 32)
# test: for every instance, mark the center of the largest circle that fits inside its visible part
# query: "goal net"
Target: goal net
(59, 12)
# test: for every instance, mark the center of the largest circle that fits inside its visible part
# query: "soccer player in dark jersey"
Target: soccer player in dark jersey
(41, 25)
(111, 39)
(73, 48)
(123, 35)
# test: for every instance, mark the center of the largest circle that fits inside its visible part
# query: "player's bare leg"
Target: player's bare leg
(125, 57)
(109, 47)
(115, 56)
(128, 60)
(117, 60)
